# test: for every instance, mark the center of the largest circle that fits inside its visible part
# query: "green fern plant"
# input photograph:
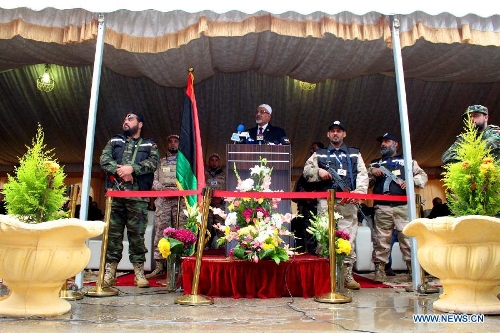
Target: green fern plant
(473, 183)
(36, 193)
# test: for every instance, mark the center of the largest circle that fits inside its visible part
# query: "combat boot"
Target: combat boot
(380, 276)
(349, 281)
(159, 271)
(110, 274)
(139, 278)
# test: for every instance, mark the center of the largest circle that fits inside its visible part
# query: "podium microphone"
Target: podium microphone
(284, 141)
(236, 136)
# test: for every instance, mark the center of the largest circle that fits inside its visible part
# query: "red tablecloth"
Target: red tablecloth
(303, 276)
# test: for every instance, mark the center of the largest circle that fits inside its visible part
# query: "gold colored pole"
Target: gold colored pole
(99, 290)
(332, 296)
(177, 221)
(424, 287)
(71, 295)
(194, 298)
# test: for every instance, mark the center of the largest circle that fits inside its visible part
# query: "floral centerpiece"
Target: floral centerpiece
(320, 230)
(176, 241)
(473, 183)
(36, 193)
(252, 223)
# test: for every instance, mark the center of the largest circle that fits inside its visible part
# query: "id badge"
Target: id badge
(342, 172)
(165, 169)
(397, 172)
(213, 183)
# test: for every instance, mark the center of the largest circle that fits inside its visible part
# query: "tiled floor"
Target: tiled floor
(154, 310)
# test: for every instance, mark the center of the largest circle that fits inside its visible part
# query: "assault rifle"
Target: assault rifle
(115, 182)
(389, 177)
(340, 183)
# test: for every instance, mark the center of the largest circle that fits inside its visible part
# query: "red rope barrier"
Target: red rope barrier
(266, 195)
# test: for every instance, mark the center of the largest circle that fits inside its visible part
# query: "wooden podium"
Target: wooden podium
(247, 156)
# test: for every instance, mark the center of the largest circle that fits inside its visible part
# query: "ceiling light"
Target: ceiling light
(45, 82)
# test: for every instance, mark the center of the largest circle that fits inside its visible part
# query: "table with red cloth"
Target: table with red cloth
(302, 276)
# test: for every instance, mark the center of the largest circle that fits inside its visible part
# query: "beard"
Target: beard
(131, 131)
(387, 151)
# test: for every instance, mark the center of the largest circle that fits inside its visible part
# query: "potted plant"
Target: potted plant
(464, 250)
(39, 247)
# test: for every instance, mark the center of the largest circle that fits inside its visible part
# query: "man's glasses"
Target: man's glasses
(261, 112)
(129, 117)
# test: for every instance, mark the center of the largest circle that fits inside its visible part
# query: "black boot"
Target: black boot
(388, 270)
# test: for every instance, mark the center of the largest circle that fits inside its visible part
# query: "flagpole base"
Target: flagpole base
(332, 298)
(194, 300)
(70, 295)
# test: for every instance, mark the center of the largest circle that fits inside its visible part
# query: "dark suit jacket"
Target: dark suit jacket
(272, 134)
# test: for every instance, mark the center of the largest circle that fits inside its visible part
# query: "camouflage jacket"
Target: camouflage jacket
(165, 175)
(492, 136)
(120, 150)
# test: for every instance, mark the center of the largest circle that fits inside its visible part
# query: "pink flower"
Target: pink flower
(342, 234)
(247, 214)
(262, 211)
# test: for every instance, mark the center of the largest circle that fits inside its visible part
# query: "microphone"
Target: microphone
(236, 137)
(284, 141)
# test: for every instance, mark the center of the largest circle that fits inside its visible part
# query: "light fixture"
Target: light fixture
(306, 85)
(45, 82)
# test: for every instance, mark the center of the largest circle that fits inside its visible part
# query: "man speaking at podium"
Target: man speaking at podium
(264, 132)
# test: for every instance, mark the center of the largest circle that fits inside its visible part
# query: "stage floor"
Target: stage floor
(154, 310)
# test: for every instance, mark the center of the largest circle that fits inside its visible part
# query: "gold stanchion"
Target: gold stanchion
(99, 290)
(424, 287)
(332, 296)
(71, 295)
(194, 298)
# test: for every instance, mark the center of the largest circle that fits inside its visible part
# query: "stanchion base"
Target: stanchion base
(194, 300)
(70, 295)
(332, 298)
(101, 292)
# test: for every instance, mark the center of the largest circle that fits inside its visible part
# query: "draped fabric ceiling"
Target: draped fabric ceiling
(241, 60)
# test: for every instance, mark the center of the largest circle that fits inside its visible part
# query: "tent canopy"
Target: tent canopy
(243, 58)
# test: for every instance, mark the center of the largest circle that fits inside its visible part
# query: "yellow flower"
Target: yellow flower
(244, 231)
(488, 160)
(343, 246)
(227, 230)
(52, 166)
(164, 247)
(267, 246)
(230, 207)
(465, 165)
(260, 201)
(486, 166)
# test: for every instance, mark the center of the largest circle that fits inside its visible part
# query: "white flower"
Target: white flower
(245, 185)
(277, 220)
(218, 211)
(231, 219)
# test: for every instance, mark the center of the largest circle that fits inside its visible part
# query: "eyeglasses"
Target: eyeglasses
(261, 112)
(129, 117)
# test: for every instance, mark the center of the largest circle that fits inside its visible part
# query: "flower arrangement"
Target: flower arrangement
(251, 221)
(320, 230)
(176, 241)
(473, 183)
(36, 193)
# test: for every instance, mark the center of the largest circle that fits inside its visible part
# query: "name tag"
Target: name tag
(213, 183)
(397, 172)
(342, 172)
(165, 169)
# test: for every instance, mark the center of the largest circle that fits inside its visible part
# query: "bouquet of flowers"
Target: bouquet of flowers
(36, 193)
(176, 241)
(473, 183)
(320, 230)
(252, 223)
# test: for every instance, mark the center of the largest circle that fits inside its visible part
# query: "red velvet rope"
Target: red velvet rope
(266, 195)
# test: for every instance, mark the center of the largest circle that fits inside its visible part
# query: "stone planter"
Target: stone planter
(464, 253)
(36, 260)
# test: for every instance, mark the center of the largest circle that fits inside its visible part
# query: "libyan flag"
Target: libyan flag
(190, 170)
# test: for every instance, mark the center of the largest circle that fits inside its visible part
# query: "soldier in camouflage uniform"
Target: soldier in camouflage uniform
(129, 162)
(349, 165)
(390, 215)
(166, 214)
(490, 133)
(216, 179)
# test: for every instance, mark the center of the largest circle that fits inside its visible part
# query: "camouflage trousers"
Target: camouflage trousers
(133, 215)
(387, 219)
(348, 223)
(166, 216)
